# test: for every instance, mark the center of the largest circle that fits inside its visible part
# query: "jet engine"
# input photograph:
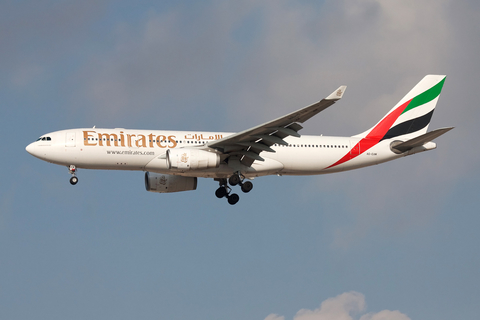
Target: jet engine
(163, 183)
(183, 159)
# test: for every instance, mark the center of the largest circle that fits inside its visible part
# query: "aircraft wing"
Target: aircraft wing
(247, 145)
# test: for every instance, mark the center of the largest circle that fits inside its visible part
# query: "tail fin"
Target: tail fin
(410, 117)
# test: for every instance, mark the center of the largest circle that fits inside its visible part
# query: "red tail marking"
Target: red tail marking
(375, 135)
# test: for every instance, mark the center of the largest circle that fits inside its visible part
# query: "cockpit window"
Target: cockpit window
(44, 139)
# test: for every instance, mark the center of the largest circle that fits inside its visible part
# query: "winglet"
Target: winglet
(337, 94)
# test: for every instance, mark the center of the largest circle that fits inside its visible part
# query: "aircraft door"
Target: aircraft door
(70, 139)
(354, 147)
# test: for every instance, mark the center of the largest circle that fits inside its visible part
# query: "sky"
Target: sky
(396, 241)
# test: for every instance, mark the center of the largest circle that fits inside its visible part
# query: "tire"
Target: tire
(221, 192)
(233, 198)
(73, 181)
(234, 180)
(247, 186)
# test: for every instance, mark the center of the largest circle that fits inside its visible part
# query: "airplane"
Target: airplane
(174, 160)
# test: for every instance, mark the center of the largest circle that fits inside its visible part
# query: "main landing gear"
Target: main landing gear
(225, 191)
(73, 180)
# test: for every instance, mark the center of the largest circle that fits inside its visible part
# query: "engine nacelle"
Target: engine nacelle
(184, 159)
(163, 183)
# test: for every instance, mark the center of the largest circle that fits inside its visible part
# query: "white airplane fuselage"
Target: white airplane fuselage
(141, 150)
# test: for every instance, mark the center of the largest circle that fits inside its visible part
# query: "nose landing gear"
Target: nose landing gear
(73, 180)
(225, 191)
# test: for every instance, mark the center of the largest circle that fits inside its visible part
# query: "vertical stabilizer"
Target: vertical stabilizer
(411, 116)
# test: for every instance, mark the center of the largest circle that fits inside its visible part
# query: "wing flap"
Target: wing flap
(285, 132)
(248, 154)
(257, 145)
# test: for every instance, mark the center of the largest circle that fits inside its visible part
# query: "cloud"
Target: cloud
(346, 306)
(237, 65)
(385, 315)
(304, 54)
(381, 50)
(170, 63)
(269, 58)
(232, 66)
(341, 307)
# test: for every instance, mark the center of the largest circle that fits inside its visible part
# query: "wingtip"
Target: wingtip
(337, 94)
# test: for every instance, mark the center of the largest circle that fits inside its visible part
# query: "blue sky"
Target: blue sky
(395, 241)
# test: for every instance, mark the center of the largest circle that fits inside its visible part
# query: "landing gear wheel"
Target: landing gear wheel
(247, 186)
(233, 198)
(221, 192)
(234, 180)
(72, 170)
(224, 191)
(73, 181)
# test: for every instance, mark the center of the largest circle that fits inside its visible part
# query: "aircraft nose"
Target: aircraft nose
(31, 149)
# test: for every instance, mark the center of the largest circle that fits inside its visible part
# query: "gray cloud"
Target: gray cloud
(171, 62)
(382, 50)
(346, 306)
(211, 68)
(296, 55)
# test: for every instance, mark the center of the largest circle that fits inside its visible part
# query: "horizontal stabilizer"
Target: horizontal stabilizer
(420, 140)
